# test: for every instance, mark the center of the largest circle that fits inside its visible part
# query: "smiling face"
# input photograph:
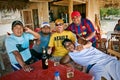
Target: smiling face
(17, 30)
(59, 27)
(76, 20)
(45, 29)
(69, 46)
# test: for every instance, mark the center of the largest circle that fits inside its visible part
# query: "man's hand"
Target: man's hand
(37, 41)
(27, 68)
(79, 47)
(27, 29)
(49, 51)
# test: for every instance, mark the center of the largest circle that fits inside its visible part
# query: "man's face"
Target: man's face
(18, 30)
(59, 27)
(76, 20)
(69, 46)
(46, 29)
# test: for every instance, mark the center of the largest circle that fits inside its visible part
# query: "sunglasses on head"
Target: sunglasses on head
(60, 24)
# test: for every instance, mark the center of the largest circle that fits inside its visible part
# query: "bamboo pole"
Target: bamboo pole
(70, 10)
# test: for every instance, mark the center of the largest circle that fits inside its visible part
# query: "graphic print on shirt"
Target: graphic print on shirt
(80, 30)
(20, 48)
(58, 40)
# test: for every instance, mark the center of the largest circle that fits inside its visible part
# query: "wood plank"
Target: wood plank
(112, 52)
(40, 0)
(66, 2)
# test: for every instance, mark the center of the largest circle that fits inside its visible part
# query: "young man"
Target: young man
(97, 63)
(82, 27)
(56, 41)
(36, 51)
(17, 46)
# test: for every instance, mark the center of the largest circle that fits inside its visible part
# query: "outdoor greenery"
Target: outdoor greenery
(106, 13)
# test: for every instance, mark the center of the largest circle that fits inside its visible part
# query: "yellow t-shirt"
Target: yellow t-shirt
(56, 42)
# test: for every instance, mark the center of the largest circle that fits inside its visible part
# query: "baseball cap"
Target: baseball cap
(16, 22)
(45, 24)
(75, 13)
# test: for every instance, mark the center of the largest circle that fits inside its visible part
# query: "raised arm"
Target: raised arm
(35, 34)
(91, 35)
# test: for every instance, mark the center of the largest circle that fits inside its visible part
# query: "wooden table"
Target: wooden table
(39, 74)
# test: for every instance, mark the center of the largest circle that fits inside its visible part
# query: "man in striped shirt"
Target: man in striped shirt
(82, 28)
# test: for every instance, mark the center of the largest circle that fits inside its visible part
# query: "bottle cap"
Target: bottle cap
(57, 73)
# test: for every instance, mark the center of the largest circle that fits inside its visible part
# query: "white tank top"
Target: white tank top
(90, 56)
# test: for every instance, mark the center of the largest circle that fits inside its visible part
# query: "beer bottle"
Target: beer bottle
(44, 59)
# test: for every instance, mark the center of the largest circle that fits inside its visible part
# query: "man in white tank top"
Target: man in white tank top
(97, 63)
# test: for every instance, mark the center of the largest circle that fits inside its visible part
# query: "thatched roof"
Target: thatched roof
(103, 3)
(110, 3)
(13, 4)
(21, 4)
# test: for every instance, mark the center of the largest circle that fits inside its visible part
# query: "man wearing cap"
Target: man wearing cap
(56, 41)
(36, 51)
(17, 46)
(82, 27)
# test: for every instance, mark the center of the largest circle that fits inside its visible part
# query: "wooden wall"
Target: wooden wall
(64, 9)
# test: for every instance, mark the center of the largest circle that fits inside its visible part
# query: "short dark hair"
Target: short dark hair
(17, 22)
(66, 40)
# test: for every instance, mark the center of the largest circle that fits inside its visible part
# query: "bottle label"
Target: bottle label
(46, 62)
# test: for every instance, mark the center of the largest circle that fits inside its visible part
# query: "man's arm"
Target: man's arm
(84, 44)
(65, 60)
(35, 34)
(21, 62)
(91, 30)
(91, 35)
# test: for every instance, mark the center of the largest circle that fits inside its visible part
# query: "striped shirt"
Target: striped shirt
(84, 29)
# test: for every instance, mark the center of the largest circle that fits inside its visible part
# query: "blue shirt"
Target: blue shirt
(44, 40)
(21, 44)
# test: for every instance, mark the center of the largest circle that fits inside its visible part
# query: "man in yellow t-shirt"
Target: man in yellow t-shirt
(56, 41)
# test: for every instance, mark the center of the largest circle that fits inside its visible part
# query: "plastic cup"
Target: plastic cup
(70, 72)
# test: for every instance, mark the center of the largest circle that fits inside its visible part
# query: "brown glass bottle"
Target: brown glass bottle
(44, 59)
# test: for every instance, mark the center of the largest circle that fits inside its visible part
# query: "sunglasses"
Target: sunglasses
(59, 24)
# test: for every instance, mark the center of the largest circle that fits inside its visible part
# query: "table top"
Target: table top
(48, 74)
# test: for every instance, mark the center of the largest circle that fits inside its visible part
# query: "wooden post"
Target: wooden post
(70, 10)
(43, 12)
